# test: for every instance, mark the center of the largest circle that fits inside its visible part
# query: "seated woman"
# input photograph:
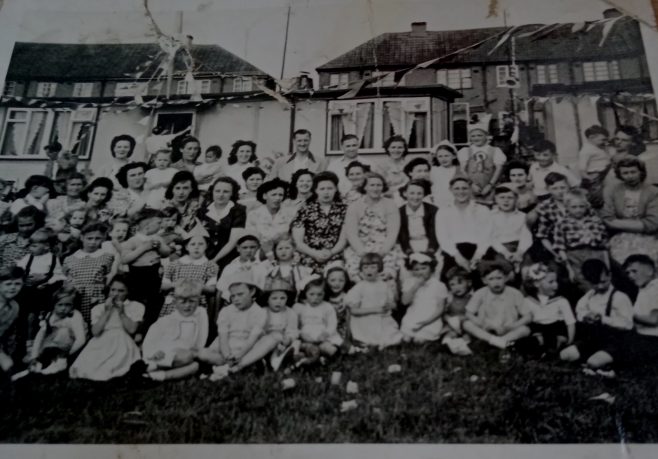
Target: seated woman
(417, 219)
(630, 211)
(57, 207)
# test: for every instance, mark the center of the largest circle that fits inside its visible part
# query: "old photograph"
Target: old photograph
(330, 221)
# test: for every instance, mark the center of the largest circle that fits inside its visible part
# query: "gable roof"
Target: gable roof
(40, 61)
(403, 49)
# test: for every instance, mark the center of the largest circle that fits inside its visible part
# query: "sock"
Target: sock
(157, 375)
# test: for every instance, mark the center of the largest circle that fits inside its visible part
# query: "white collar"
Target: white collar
(96, 254)
(420, 212)
(217, 216)
(186, 260)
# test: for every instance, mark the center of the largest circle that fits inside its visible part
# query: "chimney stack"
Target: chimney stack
(418, 28)
(612, 13)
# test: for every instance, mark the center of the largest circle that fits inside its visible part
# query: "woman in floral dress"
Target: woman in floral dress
(318, 228)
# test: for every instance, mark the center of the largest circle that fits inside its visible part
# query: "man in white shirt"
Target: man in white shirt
(641, 270)
(302, 158)
(350, 146)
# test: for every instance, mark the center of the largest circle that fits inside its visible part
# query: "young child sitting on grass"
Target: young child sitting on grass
(461, 291)
(553, 324)
(62, 334)
(370, 303)
(173, 343)
(496, 313)
(281, 331)
(240, 326)
(426, 298)
(604, 314)
(247, 247)
(317, 322)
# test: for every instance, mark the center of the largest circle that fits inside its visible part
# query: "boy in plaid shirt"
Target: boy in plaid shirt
(549, 211)
(579, 236)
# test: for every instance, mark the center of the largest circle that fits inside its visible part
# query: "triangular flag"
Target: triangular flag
(607, 28)
(503, 39)
(144, 121)
(578, 27)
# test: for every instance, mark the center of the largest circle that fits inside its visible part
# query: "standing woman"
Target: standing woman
(242, 156)
(630, 211)
(372, 224)
(132, 196)
(319, 226)
(183, 194)
(271, 219)
(219, 216)
(96, 196)
(301, 188)
(61, 205)
(122, 148)
(190, 149)
(392, 168)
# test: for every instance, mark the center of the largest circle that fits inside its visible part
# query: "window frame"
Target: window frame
(48, 130)
(187, 90)
(84, 89)
(9, 89)
(49, 85)
(510, 71)
(177, 112)
(451, 124)
(242, 80)
(610, 69)
(464, 74)
(547, 72)
(138, 88)
(378, 121)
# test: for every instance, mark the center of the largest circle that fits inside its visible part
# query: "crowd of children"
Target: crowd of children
(516, 256)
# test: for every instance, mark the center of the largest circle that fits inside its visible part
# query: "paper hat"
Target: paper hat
(446, 144)
(480, 122)
(278, 285)
(241, 277)
(304, 282)
(420, 257)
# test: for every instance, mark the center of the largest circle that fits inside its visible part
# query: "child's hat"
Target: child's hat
(481, 123)
(506, 188)
(446, 144)
(332, 265)
(242, 276)
(419, 257)
(278, 285)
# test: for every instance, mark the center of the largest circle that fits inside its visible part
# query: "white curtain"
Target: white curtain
(35, 133)
(61, 128)
(394, 110)
(349, 124)
(13, 137)
(364, 124)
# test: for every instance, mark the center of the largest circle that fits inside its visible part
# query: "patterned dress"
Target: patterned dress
(321, 230)
(200, 270)
(13, 247)
(88, 273)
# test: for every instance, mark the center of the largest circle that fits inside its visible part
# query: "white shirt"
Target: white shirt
(537, 174)
(645, 304)
(510, 227)
(621, 311)
(550, 310)
(440, 177)
(471, 224)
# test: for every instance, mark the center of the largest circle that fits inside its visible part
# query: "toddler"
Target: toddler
(174, 342)
(247, 247)
(370, 303)
(594, 163)
(159, 178)
(317, 322)
(240, 326)
(284, 266)
(553, 323)
(444, 168)
(11, 281)
(211, 169)
(338, 284)
(38, 189)
(111, 351)
(194, 266)
(171, 232)
(120, 226)
(545, 163)
(69, 233)
(496, 313)
(142, 253)
(510, 236)
(460, 293)
(579, 236)
(281, 331)
(90, 268)
(426, 298)
(62, 334)
(481, 163)
(604, 316)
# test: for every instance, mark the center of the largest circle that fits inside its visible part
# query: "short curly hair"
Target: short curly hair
(628, 162)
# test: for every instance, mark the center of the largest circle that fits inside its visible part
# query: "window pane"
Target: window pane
(392, 120)
(336, 132)
(552, 73)
(441, 77)
(588, 71)
(14, 137)
(333, 79)
(81, 138)
(365, 126)
(614, 70)
(60, 129)
(246, 84)
(35, 133)
(18, 115)
(417, 134)
(459, 120)
(541, 74)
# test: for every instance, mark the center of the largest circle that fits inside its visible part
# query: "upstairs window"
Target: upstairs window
(601, 71)
(83, 89)
(339, 80)
(507, 76)
(46, 89)
(242, 84)
(547, 74)
(188, 87)
(9, 88)
(455, 78)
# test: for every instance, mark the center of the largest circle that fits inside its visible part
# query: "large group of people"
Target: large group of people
(174, 266)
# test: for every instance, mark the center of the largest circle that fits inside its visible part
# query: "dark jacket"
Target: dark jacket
(428, 223)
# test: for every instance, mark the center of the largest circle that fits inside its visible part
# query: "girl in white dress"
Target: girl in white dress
(112, 351)
(426, 297)
(317, 322)
(370, 303)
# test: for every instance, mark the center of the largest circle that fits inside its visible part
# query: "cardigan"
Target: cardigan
(613, 207)
(429, 217)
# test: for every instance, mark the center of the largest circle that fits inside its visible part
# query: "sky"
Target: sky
(320, 30)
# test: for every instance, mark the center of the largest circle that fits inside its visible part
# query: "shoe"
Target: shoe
(57, 366)
(219, 372)
(278, 358)
(498, 342)
(608, 374)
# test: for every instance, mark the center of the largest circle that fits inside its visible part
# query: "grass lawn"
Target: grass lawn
(437, 398)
